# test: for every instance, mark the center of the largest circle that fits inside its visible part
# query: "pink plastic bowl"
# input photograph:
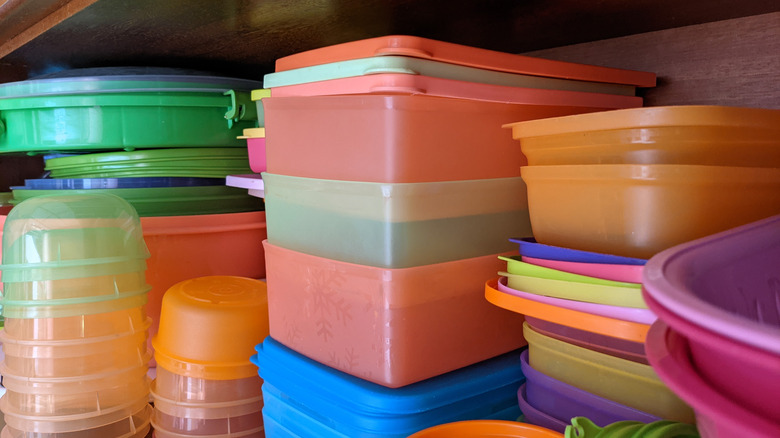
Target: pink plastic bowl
(748, 375)
(642, 316)
(717, 415)
(625, 273)
(256, 149)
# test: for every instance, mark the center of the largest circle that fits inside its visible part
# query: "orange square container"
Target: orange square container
(397, 138)
(392, 327)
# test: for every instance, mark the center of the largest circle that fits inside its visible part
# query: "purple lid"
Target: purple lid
(531, 248)
(535, 416)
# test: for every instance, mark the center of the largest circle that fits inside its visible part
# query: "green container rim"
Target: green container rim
(176, 155)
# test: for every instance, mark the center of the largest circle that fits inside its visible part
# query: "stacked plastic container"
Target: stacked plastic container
(206, 385)
(75, 327)
(717, 341)
(390, 190)
(606, 191)
(162, 139)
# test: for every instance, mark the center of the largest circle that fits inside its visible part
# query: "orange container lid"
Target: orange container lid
(417, 47)
(486, 429)
(397, 83)
(615, 328)
(210, 325)
(652, 117)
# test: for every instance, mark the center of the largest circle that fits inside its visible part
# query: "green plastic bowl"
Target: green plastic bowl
(169, 201)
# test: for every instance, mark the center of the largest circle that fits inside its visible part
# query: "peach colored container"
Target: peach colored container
(184, 389)
(462, 55)
(209, 419)
(210, 325)
(78, 357)
(640, 210)
(115, 323)
(396, 138)
(254, 433)
(132, 421)
(393, 327)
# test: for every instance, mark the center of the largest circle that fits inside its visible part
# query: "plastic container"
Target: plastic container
(629, 383)
(717, 414)
(529, 247)
(166, 201)
(177, 388)
(640, 210)
(118, 183)
(181, 162)
(393, 327)
(486, 429)
(418, 66)
(255, 433)
(391, 83)
(394, 225)
(118, 323)
(208, 420)
(79, 357)
(306, 398)
(255, 142)
(79, 397)
(584, 428)
(564, 402)
(643, 316)
(75, 289)
(624, 273)
(209, 325)
(622, 348)
(82, 116)
(76, 308)
(461, 55)
(395, 138)
(535, 416)
(130, 422)
(680, 134)
(740, 371)
(551, 282)
(616, 328)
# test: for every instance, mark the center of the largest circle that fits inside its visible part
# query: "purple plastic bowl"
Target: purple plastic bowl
(748, 375)
(642, 316)
(537, 417)
(717, 416)
(621, 348)
(564, 401)
(728, 283)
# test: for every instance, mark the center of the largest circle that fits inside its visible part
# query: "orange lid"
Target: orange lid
(486, 429)
(417, 47)
(651, 117)
(615, 328)
(209, 327)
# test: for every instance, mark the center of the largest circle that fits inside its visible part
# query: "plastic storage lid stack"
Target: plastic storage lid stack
(306, 398)
(138, 109)
(75, 336)
(203, 377)
(720, 294)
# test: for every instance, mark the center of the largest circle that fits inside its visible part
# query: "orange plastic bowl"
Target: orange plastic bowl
(486, 429)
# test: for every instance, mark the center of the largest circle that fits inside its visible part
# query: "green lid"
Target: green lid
(582, 427)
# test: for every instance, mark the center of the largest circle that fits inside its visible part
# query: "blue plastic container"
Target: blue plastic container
(529, 247)
(303, 398)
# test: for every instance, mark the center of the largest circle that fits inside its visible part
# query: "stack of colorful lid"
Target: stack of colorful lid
(389, 192)
(75, 327)
(206, 385)
(717, 341)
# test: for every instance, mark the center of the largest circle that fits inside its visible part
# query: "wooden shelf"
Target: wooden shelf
(244, 37)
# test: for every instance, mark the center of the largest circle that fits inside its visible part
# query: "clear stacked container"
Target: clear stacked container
(205, 385)
(75, 328)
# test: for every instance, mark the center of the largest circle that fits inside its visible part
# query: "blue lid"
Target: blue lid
(347, 402)
(117, 183)
(529, 247)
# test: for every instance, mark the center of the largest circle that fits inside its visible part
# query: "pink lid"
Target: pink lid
(417, 47)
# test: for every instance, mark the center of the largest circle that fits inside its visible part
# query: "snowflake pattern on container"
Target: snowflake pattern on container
(323, 302)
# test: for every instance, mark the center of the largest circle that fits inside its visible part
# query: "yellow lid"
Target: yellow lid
(209, 327)
(260, 93)
(253, 133)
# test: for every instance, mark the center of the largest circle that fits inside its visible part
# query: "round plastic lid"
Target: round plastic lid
(153, 156)
(661, 116)
(78, 81)
(486, 429)
(210, 325)
(118, 183)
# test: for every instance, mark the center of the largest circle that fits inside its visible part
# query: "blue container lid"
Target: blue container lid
(531, 248)
(347, 402)
(117, 183)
